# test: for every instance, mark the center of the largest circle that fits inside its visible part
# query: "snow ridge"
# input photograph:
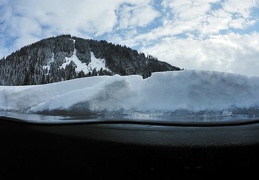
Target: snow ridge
(193, 91)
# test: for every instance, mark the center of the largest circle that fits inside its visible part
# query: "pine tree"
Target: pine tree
(27, 79)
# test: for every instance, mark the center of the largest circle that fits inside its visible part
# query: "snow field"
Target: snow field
(162, 92)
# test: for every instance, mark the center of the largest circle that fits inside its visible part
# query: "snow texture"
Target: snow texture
(162, 92)
(95, 63)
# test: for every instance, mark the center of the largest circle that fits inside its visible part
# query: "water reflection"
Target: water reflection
(177, 117)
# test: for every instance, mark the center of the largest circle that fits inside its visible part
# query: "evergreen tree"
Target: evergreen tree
(41, 62)
(27, 79)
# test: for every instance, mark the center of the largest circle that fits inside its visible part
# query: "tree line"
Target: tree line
(41, 62)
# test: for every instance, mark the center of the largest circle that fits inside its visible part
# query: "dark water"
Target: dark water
(232, 116)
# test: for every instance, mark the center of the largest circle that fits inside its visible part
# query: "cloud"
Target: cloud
(228, 53)
(202, 18)
(136, 16)
(203, 35)
(192, 34)
(80, 14)
(64, 15)
(25, 21)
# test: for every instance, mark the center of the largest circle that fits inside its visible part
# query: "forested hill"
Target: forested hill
(65, 57)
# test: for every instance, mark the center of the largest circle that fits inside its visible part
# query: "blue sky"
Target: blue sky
(217, 35)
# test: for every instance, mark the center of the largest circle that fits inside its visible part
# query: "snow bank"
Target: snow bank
(162, 92)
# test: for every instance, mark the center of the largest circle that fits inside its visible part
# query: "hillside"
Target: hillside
(66, 57)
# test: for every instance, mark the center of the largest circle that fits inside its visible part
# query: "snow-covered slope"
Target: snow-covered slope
(95, 63)
(193, 91)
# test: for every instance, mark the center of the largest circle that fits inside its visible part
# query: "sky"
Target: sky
(216, 35)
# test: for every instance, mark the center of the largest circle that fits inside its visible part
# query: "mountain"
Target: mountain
(67, 57)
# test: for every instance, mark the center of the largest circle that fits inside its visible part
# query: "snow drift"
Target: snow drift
(191, 91)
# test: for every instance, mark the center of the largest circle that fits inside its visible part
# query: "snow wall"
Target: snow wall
(163, 92)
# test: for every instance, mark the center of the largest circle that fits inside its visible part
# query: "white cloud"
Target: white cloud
(241, 9)
(29, 17)
(84, 18)
(229, 53)
(192, 34)
(134, 16)
(200, 18)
